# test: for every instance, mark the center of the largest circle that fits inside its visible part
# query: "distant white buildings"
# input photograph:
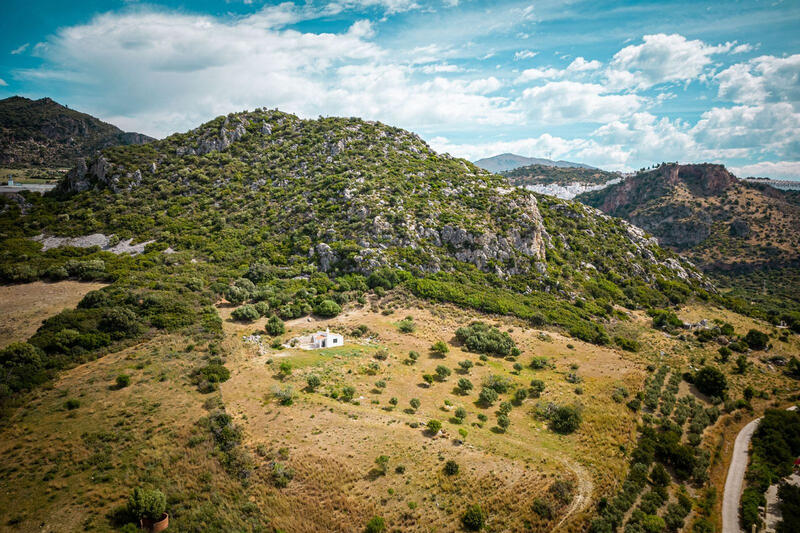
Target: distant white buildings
(318, 340)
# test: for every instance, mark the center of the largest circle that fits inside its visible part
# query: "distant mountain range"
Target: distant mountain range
(47, 134)
(504, 162)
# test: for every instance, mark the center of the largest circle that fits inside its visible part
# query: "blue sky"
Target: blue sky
(619, 85)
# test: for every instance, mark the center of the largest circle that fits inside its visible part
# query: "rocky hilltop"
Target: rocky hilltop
(708, 214)
(265, 191)
(45, 133)
(562, 182)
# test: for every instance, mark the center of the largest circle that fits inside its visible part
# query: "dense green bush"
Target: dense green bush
(451, 468)
(665, 319)
(274, 326)
(711, 382)
(483, 338)
(565, 419)
(439, 348)
(246, 313)
(144, 503)
(376, 524)
(327, 308)
(756, 340)
(473, 518)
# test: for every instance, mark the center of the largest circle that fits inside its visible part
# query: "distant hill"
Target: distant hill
(504, 162)
(709, 215)
(563, 182)
(46, 133)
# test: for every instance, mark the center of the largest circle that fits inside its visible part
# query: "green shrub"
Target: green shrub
(542, 508)
(433, 426)
(711, 382)
(245, 313)
(406, 326)
(274, 326)
(144, 503)
(376, 524)
(122, 381)
(442, 372)
(539, 362)
(440, 348)
(72, 404)
(451, 468)
(756, 340)
(487, 396)
(537, 387)
(313, 381)
(473, 518)
(479, 337)
(626, 344)
(327, 308)
(281, 475)
(565, 419)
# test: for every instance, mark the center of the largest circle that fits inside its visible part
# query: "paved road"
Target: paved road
(733, 483)
(735, 480)
(35, 187)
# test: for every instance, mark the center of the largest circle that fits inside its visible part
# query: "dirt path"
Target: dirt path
(583, 490)
(583, 496)
(735, 479)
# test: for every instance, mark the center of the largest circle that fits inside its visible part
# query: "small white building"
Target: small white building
(320, 339)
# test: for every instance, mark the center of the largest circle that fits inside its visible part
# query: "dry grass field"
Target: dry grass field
(24, 307)
(67, 469)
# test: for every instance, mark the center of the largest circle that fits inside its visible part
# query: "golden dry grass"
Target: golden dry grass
(58, 474)
(24, 307)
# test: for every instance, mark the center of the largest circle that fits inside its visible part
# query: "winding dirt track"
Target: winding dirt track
(583, 496)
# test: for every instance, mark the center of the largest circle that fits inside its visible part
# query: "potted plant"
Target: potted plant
(149, 506)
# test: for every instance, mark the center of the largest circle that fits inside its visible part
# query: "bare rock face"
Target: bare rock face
(326, 257)
(226, 136)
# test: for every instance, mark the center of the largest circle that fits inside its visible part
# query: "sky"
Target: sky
(617, 85)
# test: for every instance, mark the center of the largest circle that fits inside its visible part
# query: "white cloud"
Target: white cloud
(762, 79)
(540, 146)
(532, 74)
(742, 49)
(3, 83)
(440, 67)
(760, 128)
(390, 7)
(772, 169)
(559, 102)
(579, 64)
(20, 49)
(159, 72)
(659, 59)
(524, 54)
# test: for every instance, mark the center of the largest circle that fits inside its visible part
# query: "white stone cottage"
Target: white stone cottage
(320, 339)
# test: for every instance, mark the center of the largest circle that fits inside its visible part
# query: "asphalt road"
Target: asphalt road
(735, 480)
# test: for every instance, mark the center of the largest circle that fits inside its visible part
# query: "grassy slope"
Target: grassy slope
(23, 307)
(72, 468)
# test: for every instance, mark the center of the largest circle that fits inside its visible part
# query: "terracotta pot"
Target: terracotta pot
(154, 526)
